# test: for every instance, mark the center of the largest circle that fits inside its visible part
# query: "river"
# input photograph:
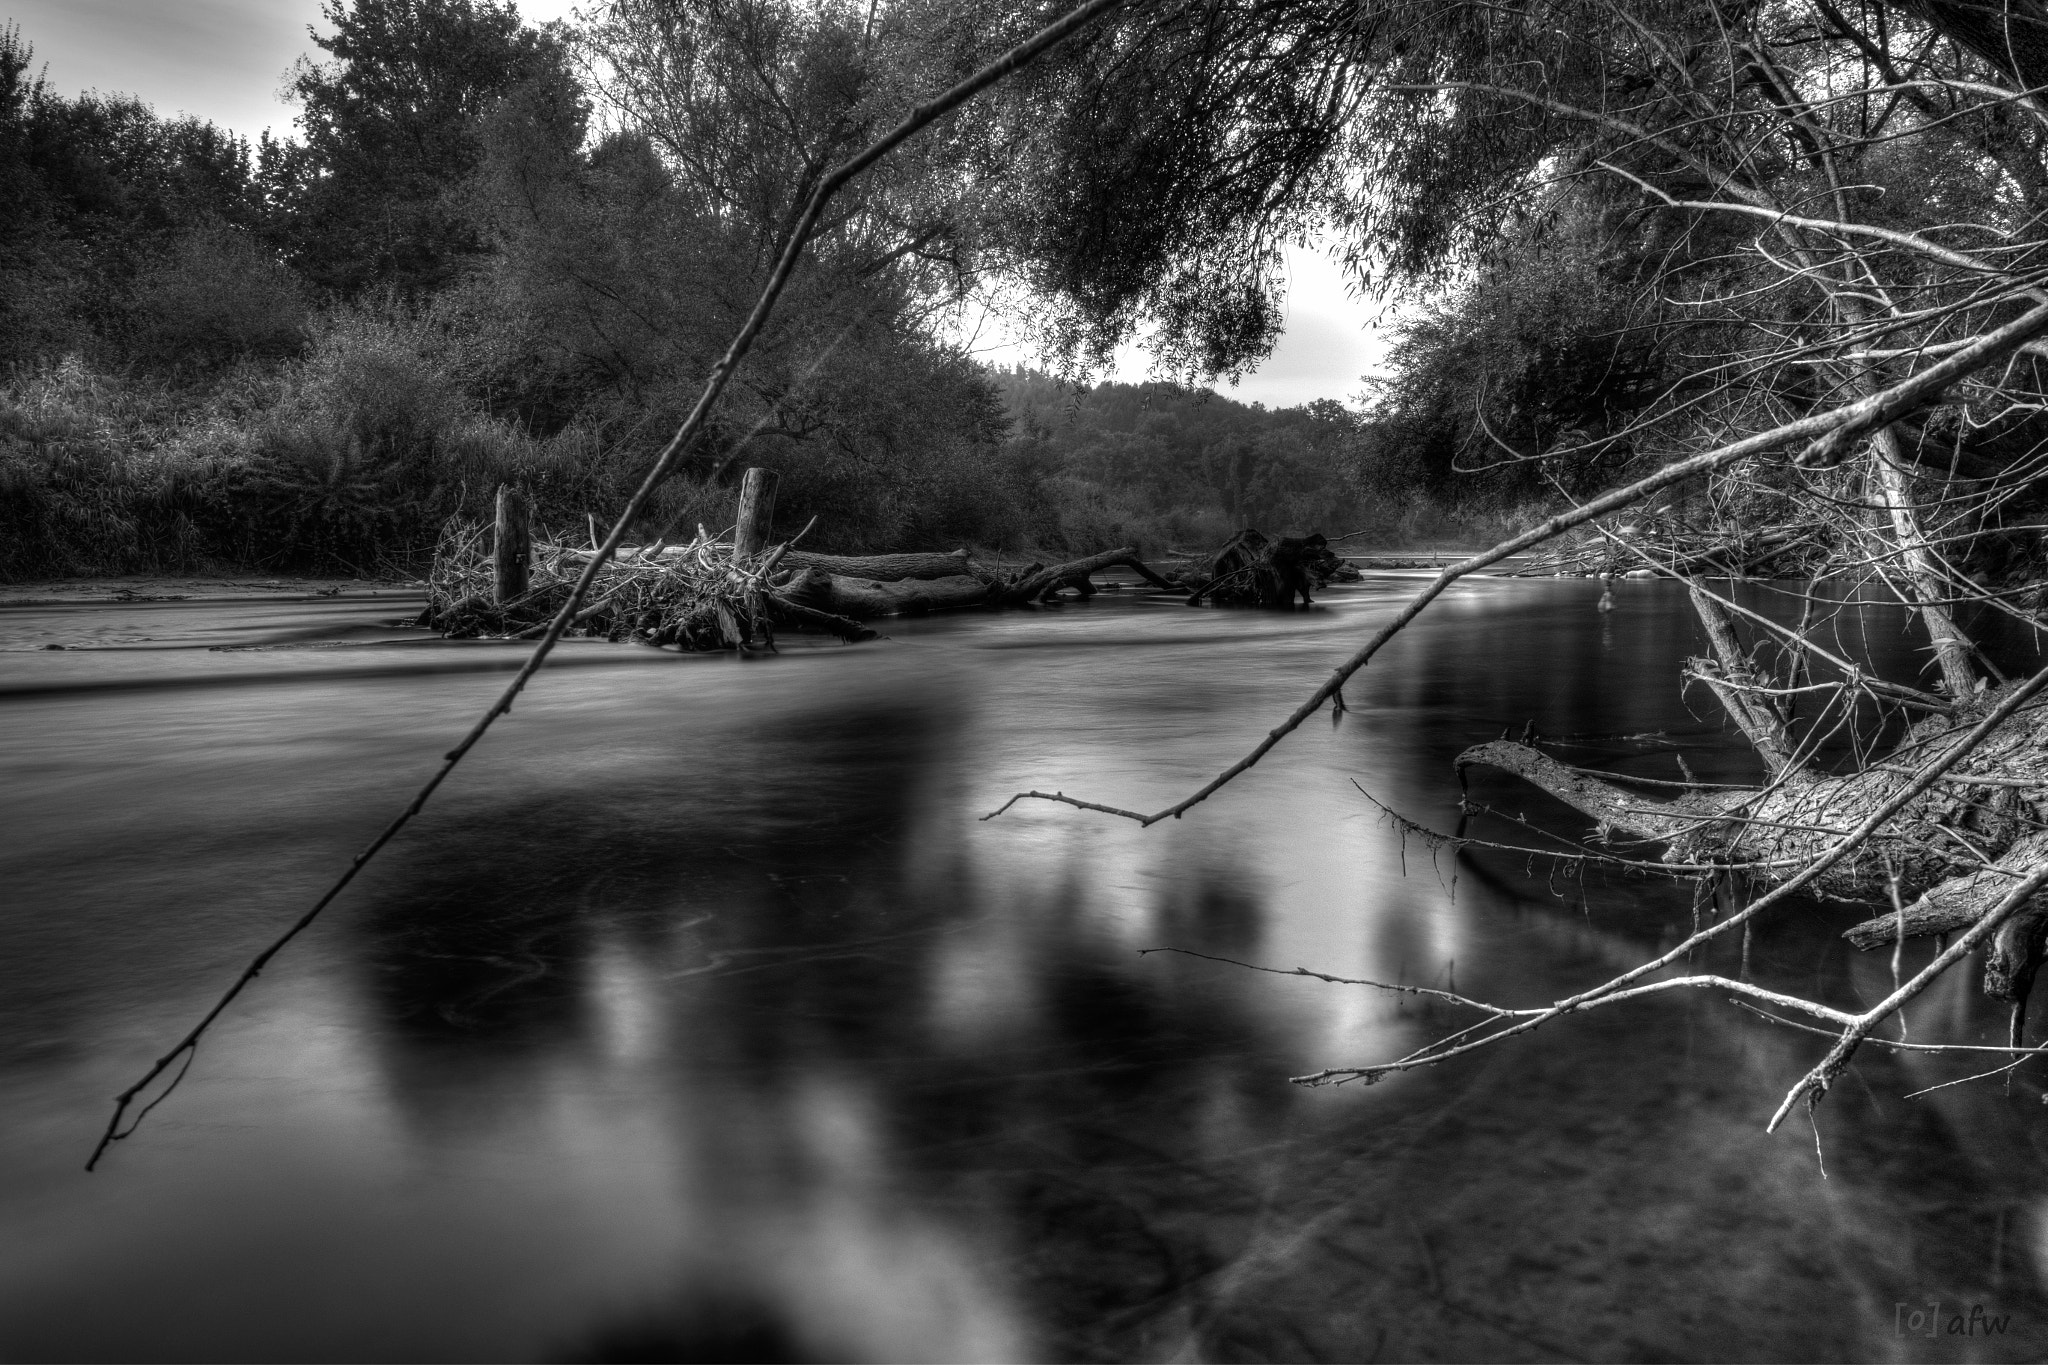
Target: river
(702, 1017)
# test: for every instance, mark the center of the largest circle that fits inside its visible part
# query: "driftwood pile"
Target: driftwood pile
(706, 594)
(727, 591)
(698, 595)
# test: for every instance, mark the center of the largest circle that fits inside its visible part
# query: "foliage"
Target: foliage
(1535, 352)
(390, 127)
(215, 295)
(473, 289)
(622, 269)
(1169, 466)
(500, 253)
(1601, 185)
(102, 196)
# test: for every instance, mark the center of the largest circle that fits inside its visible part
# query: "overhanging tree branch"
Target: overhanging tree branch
(1821, 438)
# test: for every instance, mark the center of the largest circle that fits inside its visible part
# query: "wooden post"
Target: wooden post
(512, 547)
(756, 514)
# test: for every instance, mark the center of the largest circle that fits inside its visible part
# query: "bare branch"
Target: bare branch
(1826, 434)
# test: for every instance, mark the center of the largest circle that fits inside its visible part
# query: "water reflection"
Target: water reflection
(728, 965)
(704, 1020)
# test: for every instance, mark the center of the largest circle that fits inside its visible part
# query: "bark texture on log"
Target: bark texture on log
(2014, 957)
(890, 568)
(1034, 582)
(1956, 903)
(1922, 568)
(864, 598)
(1614, 807)
(1933, 840)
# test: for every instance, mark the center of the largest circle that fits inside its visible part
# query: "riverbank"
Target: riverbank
(197, 588)
(230, 586)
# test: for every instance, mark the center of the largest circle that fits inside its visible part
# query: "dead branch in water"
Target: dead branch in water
(1838, 851)
(1882, 829)
(1816, 436)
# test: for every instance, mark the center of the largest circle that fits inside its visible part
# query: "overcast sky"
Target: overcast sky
(225, 60)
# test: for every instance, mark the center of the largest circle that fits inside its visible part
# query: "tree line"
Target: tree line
(490, 252)
(493, 253)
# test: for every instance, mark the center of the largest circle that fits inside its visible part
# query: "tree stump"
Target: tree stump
(756, 514)
(512, 544)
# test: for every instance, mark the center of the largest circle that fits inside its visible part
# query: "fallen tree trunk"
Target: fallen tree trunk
(1035, 582)
(1954, 904)
(890, 568)
(864, 599)
(784, 612)
(1946, 832)
(1967, 790)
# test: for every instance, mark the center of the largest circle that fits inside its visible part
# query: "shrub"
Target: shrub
(218, 296)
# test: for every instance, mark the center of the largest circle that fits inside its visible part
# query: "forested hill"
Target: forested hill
(1167, 465)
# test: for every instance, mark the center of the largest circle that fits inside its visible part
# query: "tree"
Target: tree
(101, 193)
(215, 295)
(622, 268)
(31, 278)
(390, 127)
(1539, 350)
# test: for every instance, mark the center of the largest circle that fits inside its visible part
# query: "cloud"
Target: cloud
(1328, 343)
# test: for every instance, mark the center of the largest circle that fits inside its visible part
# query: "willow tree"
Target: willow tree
(1816, 233)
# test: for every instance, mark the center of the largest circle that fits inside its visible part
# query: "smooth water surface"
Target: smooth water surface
(701, 1017)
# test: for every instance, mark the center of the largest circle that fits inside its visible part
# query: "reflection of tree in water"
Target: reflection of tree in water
(714, 1328)
(793, 923)
(476, 951)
